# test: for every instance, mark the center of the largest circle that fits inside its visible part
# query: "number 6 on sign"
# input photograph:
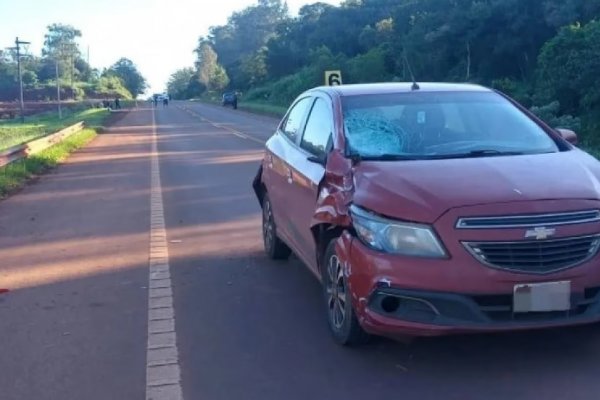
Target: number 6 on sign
(333, 78)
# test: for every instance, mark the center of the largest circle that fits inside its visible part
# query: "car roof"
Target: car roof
(401, 87)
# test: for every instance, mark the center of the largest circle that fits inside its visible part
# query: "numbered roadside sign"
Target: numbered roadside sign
(333, 78)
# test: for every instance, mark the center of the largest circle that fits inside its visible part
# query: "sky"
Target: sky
(159, 36)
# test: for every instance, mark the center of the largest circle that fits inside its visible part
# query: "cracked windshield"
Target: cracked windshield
(292, 200)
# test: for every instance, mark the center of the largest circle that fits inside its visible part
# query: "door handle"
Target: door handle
(270, 161)
(289, 176)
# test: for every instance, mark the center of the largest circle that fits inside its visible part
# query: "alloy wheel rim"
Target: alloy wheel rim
(336, 292)
(268, 225)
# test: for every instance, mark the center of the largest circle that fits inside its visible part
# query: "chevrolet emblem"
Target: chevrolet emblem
(540, 233)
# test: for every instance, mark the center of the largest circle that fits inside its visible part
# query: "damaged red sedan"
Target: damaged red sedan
(433, 209)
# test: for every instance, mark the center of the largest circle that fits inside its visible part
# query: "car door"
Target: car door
(277, 172)
(315, 143)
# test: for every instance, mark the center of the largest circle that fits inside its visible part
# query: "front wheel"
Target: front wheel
(341, 316)
(275, 248)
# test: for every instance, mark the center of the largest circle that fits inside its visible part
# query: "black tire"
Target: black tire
(275, 248)
(343, 324)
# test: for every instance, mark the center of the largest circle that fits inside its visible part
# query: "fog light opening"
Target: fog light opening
(390, 304)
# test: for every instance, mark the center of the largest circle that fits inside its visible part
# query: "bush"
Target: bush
(520, 91)
(568, 68)
(549, 113)
(111, 86)
(369, 67)
(283, 91)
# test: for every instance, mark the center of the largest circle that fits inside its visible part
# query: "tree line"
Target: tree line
(62, 59)
(544, 53)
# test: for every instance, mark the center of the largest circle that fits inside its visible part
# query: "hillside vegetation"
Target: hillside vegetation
(544, 53)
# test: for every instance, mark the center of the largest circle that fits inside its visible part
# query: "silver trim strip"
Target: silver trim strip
(463, 223)
(593, 253)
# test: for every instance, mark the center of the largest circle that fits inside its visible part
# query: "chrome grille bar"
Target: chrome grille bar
(528, 221)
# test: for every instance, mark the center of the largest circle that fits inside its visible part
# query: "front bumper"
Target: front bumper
(395, 296)
(422, 313)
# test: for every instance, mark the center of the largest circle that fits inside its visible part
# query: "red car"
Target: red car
(433, 209)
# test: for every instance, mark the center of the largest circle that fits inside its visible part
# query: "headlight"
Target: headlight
(396, 237)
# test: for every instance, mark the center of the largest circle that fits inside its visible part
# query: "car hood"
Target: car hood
(423, 190)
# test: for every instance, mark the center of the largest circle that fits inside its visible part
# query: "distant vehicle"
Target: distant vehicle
(433, 209)
(230, 99)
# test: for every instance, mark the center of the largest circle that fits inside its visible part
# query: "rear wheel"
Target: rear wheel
(342, 319)
(274, 247)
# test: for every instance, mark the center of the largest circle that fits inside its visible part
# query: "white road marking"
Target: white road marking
(163, 376)
(224, 126)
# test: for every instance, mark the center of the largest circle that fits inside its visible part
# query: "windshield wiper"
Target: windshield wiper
(479, 153)
(357, 158)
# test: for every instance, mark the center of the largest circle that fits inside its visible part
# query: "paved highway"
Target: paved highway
(74, 252)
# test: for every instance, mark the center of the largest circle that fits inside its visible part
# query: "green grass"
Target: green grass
(15, 133)
(265, 109)
(14, 176)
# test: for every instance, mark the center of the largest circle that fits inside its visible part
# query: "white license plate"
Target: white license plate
(542, 297)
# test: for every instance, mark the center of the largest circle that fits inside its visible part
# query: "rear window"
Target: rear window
(436, 124)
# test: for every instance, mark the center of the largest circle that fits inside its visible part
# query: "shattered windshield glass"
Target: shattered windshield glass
(440, 125)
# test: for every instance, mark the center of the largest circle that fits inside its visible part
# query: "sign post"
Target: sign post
(333, 78)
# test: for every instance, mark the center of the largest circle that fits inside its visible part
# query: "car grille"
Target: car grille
(539, 256)
(532, 220)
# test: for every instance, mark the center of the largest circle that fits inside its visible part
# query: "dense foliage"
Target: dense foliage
(62, 59)
(127, 72)
(545, 53)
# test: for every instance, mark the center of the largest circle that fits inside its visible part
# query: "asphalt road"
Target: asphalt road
(74, 252)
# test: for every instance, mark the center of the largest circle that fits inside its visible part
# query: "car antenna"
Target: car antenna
(415, 85)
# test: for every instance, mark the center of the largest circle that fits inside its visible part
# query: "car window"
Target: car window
(292, 124)
(318, 129)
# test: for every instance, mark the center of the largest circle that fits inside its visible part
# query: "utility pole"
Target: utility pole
(58, 88)
(18, 44)
(72, 73)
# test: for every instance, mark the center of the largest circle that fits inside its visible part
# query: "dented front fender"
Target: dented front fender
(257, 185)
(335, 192)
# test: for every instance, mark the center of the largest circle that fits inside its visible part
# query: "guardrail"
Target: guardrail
(35, 146)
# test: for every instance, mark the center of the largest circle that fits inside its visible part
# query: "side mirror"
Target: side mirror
(317, 160)
(568, 135)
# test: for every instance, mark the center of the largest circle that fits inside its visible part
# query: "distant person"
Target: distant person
(165, 101)
(117, 103)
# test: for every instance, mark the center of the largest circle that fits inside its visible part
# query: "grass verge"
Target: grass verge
(270, 110)
(14, 176)
(264, 109)
(15, 133)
